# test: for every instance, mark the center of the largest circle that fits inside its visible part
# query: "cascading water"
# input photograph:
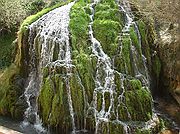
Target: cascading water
(144, 76)
(102, 86)
(53, 35)
(107, 85)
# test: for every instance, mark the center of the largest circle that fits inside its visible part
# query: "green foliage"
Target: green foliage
(108, 14)
(135, 84)
(111, 3)
(106, 31)
(6, 50)
(102, 7)
(77, 98)
(134, 39)
(35, 6)
(60, 108)
(145, 44)
(79, 37)
(126, 54)
(12, 13)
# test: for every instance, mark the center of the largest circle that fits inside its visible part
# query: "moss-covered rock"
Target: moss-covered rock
(126, 44)
(46, 97)
(142, 105)
(107, 25)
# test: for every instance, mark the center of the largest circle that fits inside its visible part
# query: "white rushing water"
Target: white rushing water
(102, 86)
(52, 33)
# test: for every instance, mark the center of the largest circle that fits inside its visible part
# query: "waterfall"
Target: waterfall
(49, 47)
(52, 34)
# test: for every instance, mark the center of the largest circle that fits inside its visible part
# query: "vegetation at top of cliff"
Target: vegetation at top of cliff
(13, 13)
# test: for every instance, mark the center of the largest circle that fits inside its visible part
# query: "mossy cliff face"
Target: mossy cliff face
(132, 101)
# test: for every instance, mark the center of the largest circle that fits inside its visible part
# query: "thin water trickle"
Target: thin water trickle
(140, 73)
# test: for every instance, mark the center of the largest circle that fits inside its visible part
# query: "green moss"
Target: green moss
(107, 96)
(99, 101)
(123, 112)
(86, 71)
(109, 14)
(77, 99)
(111, 3)
(102, 7)
(106, 32)
(107, 25)
(135, 84)
(126, 54)
(85, 65)
(115, 128)
(135, 40)
(60, 109)
(144, 39)
(79, 21)
(139, 103)
(88, 10)
(139, 131)
(45, 98)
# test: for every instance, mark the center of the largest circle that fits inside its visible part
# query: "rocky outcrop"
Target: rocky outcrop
(168, 50)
